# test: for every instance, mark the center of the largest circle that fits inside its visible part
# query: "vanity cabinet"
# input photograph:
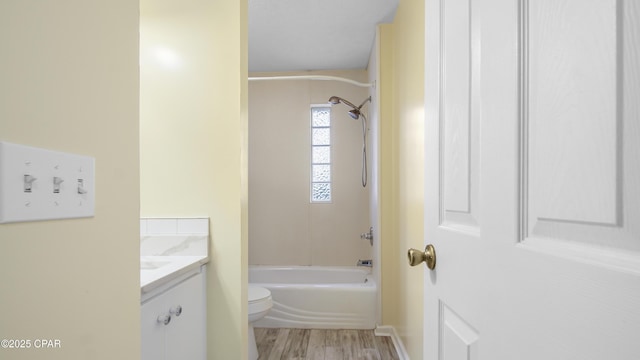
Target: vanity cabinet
(174, 321)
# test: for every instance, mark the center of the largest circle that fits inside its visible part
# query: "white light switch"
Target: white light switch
(39, 184)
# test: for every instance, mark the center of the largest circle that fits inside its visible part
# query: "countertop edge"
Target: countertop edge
(193, 266)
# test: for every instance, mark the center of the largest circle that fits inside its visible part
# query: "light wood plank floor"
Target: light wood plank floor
(314, 344)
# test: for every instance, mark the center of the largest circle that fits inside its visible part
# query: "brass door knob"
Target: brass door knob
(428, 256)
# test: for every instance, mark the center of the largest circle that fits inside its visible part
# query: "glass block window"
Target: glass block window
(320, 153)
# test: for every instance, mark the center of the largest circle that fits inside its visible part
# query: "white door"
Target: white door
(532, 184)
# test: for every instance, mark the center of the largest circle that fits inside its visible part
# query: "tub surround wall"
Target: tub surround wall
(379, 160)
(285, 228)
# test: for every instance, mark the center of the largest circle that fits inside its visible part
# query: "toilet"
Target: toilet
(260, 303)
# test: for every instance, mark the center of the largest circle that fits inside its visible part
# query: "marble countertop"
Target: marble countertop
(158, 270)
(165, 258)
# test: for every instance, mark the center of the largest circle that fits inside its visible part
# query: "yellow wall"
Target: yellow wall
(69, 82)
(193, 134)
(402, 123)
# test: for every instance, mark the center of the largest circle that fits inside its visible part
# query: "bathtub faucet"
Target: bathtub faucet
(367, 263)
(368, 236)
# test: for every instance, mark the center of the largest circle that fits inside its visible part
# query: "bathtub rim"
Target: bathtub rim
(367, 273)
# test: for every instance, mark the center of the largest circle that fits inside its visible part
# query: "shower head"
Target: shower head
(355, 112)
(335, 100)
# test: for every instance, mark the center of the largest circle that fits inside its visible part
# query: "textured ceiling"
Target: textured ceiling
(299, 35)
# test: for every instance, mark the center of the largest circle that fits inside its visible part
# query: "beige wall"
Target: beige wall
(402, 127)
(284, 227)
(193, 141)
(69, 82)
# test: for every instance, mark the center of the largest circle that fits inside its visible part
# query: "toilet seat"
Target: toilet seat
(257, 293)
(260, 303)
(259, 299)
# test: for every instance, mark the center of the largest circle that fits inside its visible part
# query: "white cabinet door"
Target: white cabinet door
(184, 337)
(153, 332)
(186, 333)
(532, 183)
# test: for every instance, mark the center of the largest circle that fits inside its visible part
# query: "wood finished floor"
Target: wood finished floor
(314, 344)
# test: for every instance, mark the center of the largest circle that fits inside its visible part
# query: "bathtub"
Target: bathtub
(317, 297)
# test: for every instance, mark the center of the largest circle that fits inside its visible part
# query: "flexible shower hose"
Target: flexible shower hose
(364, 150)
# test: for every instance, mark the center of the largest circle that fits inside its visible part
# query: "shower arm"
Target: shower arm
(334, 100)
(364, 102)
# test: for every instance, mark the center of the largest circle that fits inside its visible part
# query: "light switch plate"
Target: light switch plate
(42, 199)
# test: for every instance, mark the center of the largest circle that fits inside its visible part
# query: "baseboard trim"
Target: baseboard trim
(387, 330)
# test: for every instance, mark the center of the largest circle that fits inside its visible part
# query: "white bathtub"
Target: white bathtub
(317, 297)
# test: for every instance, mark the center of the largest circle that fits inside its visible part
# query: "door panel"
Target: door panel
(532, 179)
(580, 163)
(458, 339)
(456, 51)
(459, 145)
(570, 85)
